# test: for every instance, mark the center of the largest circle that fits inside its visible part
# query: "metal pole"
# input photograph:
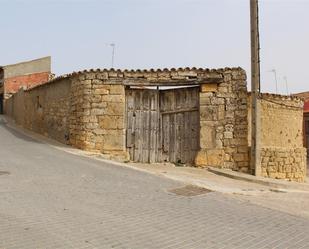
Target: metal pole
(276, 81)
(113, 53)
(255, 165)
(286, 85)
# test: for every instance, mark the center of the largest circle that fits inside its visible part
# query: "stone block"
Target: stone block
(114, 140)
(208, 113)
(215, 158)
(228, 134)
(201, 159)
(221, 112)
(113, 98)
(102, 76)
(207, 137)
(114, 108)
(96, 82)
(204, 101)
(111, 122)
(223, 89)
(117, 90)
(94, 98)
(240, 157)
(98, 111)
(209, 88)
(101, 91)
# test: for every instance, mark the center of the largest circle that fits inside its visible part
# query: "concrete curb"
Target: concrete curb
(272, 183)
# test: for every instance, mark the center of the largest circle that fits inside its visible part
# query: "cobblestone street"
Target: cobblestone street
(52, 199)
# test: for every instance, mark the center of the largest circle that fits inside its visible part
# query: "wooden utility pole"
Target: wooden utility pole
(255, 165)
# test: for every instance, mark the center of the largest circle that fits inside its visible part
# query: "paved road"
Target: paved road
(52, 199)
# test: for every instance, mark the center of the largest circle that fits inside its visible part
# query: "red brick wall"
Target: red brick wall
(306, 106)
(12, 85)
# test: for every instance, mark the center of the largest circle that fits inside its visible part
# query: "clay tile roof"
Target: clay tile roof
(151, 70)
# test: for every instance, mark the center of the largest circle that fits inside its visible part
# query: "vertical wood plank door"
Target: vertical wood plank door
(142, 125)
(163, 126)
(179, 115)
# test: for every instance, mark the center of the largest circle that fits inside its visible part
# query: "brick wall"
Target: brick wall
(13, 84)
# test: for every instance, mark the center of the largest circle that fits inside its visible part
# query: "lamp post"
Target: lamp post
(286, 85)
(113, 45)
(276, 81)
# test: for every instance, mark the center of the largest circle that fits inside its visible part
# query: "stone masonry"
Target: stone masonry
(284, 163)
(95, 109)
(97, 113)
(282, 153)
(223, 119)
(88, 110)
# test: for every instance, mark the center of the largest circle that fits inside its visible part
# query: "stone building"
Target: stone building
(24, 74)
(186, 115)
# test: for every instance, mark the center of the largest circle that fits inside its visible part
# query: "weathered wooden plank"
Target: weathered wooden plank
(142, 82)
(180, 111)
(163, 125)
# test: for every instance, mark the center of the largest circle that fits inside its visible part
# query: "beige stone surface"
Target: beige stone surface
(282, 152)
(209, 87)
(223, 121)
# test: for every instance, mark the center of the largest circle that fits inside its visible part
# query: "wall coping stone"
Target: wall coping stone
(186, 75)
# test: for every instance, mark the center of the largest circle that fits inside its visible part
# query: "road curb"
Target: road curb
(272, 183)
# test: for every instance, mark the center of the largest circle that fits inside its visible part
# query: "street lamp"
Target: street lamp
(286, 84)
(276, 81)
(113, 45)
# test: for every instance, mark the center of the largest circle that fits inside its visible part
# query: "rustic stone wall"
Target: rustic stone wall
(90, 113)
(284, 163)
(282, 152)
(97, 113)
(223, 121)
(44, 109)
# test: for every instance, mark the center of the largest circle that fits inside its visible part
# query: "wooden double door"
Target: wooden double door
(163, 125)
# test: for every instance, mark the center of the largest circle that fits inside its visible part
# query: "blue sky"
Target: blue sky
(159, 34)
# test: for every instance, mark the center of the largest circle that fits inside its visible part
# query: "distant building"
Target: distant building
(25, 74)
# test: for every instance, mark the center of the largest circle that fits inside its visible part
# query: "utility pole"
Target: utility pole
(255, 165)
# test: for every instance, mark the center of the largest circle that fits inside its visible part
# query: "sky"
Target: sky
(159, 34)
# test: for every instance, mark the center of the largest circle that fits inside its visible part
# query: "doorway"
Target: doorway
(163, 124)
